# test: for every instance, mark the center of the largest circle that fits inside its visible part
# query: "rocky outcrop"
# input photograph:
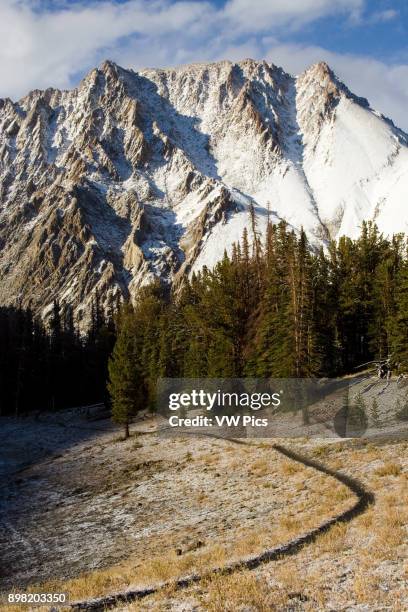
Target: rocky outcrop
(131, 175)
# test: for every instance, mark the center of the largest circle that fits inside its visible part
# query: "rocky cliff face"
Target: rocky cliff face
(136, 175)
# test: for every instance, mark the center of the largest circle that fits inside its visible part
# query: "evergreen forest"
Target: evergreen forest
(273, 308)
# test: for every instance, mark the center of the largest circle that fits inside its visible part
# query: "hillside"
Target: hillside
(132, 514)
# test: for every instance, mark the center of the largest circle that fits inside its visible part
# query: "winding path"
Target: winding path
(364, 499)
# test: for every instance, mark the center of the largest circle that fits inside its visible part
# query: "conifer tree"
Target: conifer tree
(301, 309)
(357, 417)
(270, 352)
(324, 316)
(149, 326)
(125, 380)
(55, 355)
(278, 310)
(400, 325)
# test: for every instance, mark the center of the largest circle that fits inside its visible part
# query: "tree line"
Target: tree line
(271, 309)
(51, 366)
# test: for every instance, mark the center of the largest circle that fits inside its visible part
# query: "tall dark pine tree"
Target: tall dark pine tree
(400, 327)
(125, 376)
(301, 310)
(148, 335)
(55, 356)
(220, 319)
(384, 289)
(324, 308)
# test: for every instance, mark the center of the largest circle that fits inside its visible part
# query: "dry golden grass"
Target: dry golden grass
(366, 520)
(260, 467)
(321, 451)
(291, 467)
(371, 550)
(366, 587)
(239, 591)
(334, 541)
(290, 525)
(362, 563)
(310, 498)
(341, 566)
(389, 469)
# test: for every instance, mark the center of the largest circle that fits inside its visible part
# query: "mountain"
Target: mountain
(154, 173)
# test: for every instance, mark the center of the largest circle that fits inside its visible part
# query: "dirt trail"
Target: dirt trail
(364, 499)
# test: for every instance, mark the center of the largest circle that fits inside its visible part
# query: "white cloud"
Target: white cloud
(39, 49)
(51, 48)
(382, 16)
(258, 15)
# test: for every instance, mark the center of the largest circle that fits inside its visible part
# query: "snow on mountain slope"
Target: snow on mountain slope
(136, 175)
(355, 163)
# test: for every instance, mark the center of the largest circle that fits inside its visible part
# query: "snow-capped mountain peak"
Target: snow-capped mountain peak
(153, 173)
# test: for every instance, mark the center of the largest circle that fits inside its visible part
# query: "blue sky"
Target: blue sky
(55, 42)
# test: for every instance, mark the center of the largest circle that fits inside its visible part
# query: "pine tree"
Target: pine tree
(324, 316)
(269, 344)
(357, 417)
(55, 355)
(301, 310)
(384, 288)
(149, 327)
(344, 269)
(125, 381)
(40, 360)
(400, 325)
(217, 321)
(278, 309)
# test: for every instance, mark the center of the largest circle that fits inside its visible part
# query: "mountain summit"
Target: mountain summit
(154, 173)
